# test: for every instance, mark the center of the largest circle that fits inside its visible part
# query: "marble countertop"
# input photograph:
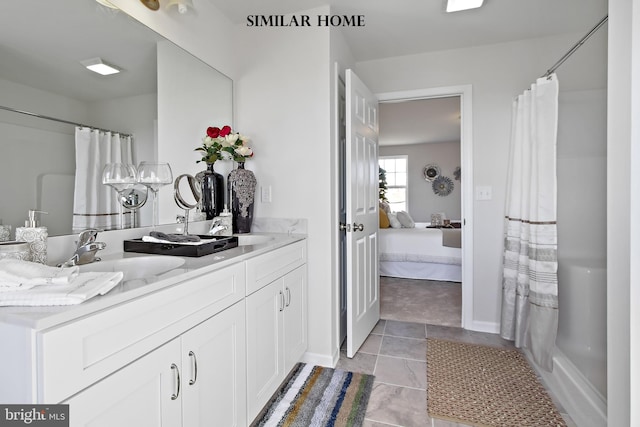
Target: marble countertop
(40, 318)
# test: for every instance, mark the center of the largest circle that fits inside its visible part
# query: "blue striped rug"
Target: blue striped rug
(313, 396)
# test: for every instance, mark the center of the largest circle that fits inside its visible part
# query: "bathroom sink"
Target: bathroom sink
(136, 267)
(252, 239)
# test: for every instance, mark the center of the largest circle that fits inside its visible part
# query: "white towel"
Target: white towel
(83, 287)
(17, 274)
(156, 240)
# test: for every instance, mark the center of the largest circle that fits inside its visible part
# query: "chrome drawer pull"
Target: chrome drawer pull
(175, 395)
(194, 368)
(281, 301)
(288, 296)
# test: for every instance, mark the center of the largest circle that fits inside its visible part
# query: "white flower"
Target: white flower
(244, 151)
(232, 138)
(207, 141)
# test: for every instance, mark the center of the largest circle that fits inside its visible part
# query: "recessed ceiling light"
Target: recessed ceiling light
(98, 66)
(457, 5)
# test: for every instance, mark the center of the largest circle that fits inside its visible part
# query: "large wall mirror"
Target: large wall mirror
(164, 97)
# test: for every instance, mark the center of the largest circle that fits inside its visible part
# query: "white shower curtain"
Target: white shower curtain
(530, 283)
(95, 205)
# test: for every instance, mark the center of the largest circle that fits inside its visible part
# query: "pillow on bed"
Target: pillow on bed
(393, 221)
(384, 219)
(405, 219)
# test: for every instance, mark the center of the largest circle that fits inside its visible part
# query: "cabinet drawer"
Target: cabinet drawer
(266, 268)
(78, 354)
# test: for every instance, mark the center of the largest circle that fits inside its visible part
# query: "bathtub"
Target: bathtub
(582, 321)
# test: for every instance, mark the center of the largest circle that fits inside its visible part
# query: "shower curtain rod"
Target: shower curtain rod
(576, 47)
(40, 116)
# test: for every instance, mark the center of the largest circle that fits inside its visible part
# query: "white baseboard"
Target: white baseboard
(579, 399)
(488, 327)
(321, 359)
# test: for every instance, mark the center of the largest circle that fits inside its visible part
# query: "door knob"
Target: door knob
(345, 227)
(358, 227)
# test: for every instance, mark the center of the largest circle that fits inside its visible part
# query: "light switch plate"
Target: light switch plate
(484, 192)
(265, 194)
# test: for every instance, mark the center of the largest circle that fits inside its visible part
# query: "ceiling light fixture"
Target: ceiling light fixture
(457, 5)
(151, 4)
(182, 5)
(98, 66)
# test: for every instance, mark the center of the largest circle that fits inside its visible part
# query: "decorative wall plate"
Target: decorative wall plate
(431, 172)
(442, 186)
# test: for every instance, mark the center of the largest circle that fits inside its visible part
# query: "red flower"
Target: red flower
(226, 130)
(213, 132)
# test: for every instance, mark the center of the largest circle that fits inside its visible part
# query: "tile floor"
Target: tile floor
(395, 352)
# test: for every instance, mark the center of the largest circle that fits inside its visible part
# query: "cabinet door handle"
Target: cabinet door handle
(288, 296)
(174, 368)
(194, 368)
(281, 301)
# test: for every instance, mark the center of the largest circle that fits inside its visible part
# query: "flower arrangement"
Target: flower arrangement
(222, 144)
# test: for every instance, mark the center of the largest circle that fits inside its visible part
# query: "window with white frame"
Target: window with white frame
(396, 174)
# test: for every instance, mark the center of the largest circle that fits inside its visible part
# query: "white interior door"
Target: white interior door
(363, 282)
(342, 213)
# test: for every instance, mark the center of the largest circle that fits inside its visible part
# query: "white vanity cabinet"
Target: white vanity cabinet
(214, 371)
(138, 394)
(276, 321)
(206, 346)
(194, 380)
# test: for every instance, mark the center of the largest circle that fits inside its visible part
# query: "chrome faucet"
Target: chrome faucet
(86, 249)
(184, 219)
(216, 226)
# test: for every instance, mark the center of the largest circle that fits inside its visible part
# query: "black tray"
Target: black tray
(217, 244)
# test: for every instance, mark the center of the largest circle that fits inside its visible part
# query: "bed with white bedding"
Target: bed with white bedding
(421, 253)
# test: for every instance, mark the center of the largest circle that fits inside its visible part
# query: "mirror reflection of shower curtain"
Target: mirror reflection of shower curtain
(530, 281)
(95, 205)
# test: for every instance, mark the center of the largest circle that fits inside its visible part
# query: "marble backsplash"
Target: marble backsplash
(280, 225)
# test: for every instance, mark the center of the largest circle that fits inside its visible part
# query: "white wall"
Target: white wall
(283, 98)
(422, 201)
(497, 73)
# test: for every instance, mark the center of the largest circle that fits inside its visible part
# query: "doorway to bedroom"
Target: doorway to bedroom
(420, 233)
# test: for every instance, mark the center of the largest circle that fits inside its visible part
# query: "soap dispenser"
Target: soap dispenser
(35, 235)
(225, 219)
